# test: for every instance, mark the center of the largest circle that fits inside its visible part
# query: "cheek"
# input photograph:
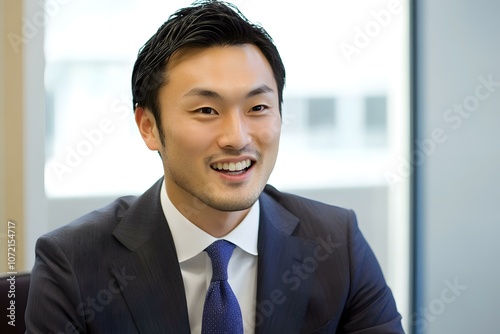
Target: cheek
(269, 134)
(189, 142)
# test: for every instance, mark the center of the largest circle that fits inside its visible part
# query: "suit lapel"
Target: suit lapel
(149, 275)
(283, 286)
(151, 282)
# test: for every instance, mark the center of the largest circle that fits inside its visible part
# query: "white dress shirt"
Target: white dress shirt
(196, 267)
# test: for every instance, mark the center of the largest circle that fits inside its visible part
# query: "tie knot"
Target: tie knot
(220, 252)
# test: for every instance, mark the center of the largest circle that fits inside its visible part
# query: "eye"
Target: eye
(259, 107)
(207, 111)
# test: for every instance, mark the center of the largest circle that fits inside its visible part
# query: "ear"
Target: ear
(147, 127)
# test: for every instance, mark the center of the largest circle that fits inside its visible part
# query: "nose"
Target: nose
(234, 132)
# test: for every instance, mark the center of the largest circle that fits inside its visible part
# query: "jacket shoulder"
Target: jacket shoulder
(87, 237)
(308, 210)
(100, 220)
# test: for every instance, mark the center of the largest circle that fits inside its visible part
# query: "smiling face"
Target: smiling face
(221, 123)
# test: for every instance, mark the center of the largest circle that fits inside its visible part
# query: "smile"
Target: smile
(239, 166)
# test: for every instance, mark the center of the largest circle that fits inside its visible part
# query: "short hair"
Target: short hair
(204, 24)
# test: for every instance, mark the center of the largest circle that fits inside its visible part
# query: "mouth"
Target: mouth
(232, 168)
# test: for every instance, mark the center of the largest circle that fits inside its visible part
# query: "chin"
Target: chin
(232, 204)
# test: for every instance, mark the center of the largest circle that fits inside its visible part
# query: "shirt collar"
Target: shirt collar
(190, 240)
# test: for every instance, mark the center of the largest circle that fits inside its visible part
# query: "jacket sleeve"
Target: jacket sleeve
(370, 307)
(54, 296)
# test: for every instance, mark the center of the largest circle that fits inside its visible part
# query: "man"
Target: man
(207, 90)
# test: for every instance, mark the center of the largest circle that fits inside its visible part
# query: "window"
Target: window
(376, 121)
(321, 113)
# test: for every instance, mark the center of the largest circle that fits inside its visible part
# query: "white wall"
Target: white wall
(459, 41)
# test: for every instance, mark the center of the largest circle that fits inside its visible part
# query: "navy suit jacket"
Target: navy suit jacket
(115, 270)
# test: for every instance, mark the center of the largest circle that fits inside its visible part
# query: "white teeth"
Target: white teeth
(232, 166)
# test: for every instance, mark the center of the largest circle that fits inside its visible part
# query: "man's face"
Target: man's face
(221, 122)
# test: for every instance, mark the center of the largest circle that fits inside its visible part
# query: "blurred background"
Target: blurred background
(390, 109)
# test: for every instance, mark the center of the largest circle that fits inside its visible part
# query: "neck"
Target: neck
(214, 222)
(218, 223)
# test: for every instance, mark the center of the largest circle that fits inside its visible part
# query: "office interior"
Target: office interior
(391, 108)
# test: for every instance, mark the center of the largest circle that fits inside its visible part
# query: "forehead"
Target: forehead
(225, 66)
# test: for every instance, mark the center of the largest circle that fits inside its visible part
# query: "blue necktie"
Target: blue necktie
(221, 313)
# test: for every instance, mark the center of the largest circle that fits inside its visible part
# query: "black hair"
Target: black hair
(205, 23)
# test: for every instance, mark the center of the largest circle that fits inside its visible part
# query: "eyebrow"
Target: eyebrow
(201, 92)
